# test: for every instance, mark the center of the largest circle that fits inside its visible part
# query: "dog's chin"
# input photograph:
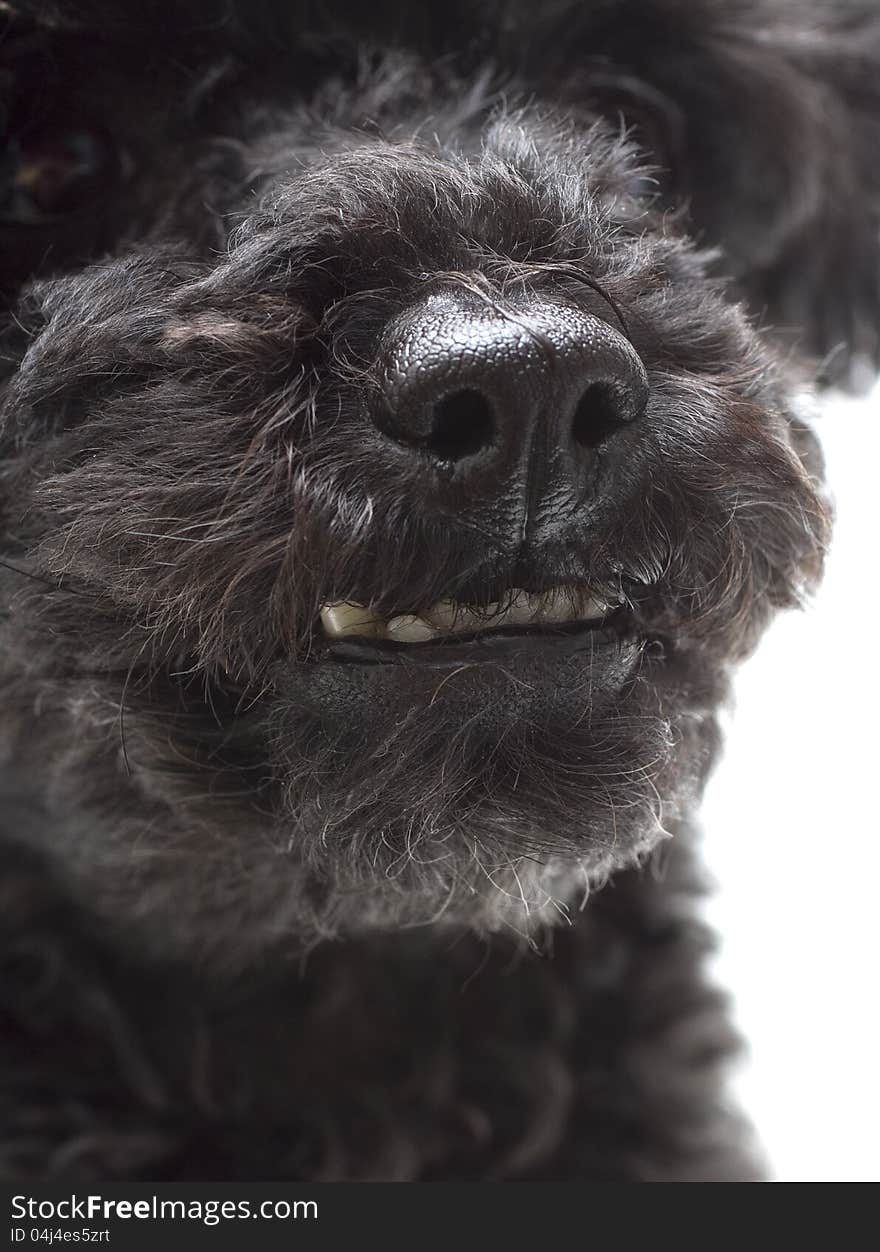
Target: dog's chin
(484, 782)
(377, 792)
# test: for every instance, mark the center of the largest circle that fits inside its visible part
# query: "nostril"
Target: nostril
(463, 424)
(601, 411)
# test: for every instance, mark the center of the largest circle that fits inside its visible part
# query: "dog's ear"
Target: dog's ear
(766, 118)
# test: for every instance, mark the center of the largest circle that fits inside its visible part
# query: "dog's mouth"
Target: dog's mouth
(449, 632)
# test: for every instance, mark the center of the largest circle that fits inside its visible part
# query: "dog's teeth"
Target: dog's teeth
(592, 610)
(563, 604)
(520, 609)
(560, 605)
(443, 615)
(447, 617)
(409, 629)
(344, 619)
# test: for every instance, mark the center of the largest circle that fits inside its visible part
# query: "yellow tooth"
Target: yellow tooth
(562, 604)
(520, 609)
(591, 609)
(448, 618)
(409, 629)
(344, 619)
(443, 615)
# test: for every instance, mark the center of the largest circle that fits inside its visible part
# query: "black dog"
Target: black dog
(398, 450)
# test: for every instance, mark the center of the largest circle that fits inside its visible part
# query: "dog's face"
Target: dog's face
(388, 563)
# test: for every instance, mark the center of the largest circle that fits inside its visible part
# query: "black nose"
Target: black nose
(467, 384)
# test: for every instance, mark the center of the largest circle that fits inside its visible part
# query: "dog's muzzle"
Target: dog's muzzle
(502, 413)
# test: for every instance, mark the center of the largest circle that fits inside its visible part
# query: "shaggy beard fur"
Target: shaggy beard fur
(189, 472)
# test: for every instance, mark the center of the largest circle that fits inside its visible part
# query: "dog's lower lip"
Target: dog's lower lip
(488, 646)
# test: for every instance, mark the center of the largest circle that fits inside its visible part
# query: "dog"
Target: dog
(402, 441)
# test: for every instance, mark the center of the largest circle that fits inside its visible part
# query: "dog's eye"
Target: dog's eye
(45, 176)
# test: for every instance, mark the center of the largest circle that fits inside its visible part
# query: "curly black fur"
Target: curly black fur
(262, 919)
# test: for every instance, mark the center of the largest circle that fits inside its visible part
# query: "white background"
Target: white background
(793, 844)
